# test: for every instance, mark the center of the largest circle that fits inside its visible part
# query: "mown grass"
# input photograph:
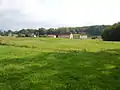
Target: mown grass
(58, 64)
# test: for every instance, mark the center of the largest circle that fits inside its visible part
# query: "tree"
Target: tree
(42, 31)
(112, 33)
(1, 33)
(51, 31)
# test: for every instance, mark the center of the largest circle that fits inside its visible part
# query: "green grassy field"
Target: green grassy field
(59, 64)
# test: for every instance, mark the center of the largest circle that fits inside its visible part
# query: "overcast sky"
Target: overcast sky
(17, 14)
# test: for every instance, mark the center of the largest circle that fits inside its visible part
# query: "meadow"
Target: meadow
(59, 64)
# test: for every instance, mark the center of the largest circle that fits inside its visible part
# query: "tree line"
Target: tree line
(95, 30)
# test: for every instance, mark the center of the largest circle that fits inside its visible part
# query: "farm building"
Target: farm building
(50, 35)
(83, 36)
(59, 35)
(71, 36)
(64, 36)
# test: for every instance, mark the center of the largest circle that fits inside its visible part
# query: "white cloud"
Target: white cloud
(16, 14)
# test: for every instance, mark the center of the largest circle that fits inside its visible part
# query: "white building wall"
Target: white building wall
(83, 36)
(71, 36)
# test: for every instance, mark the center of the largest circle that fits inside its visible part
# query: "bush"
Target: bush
(94, 37)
